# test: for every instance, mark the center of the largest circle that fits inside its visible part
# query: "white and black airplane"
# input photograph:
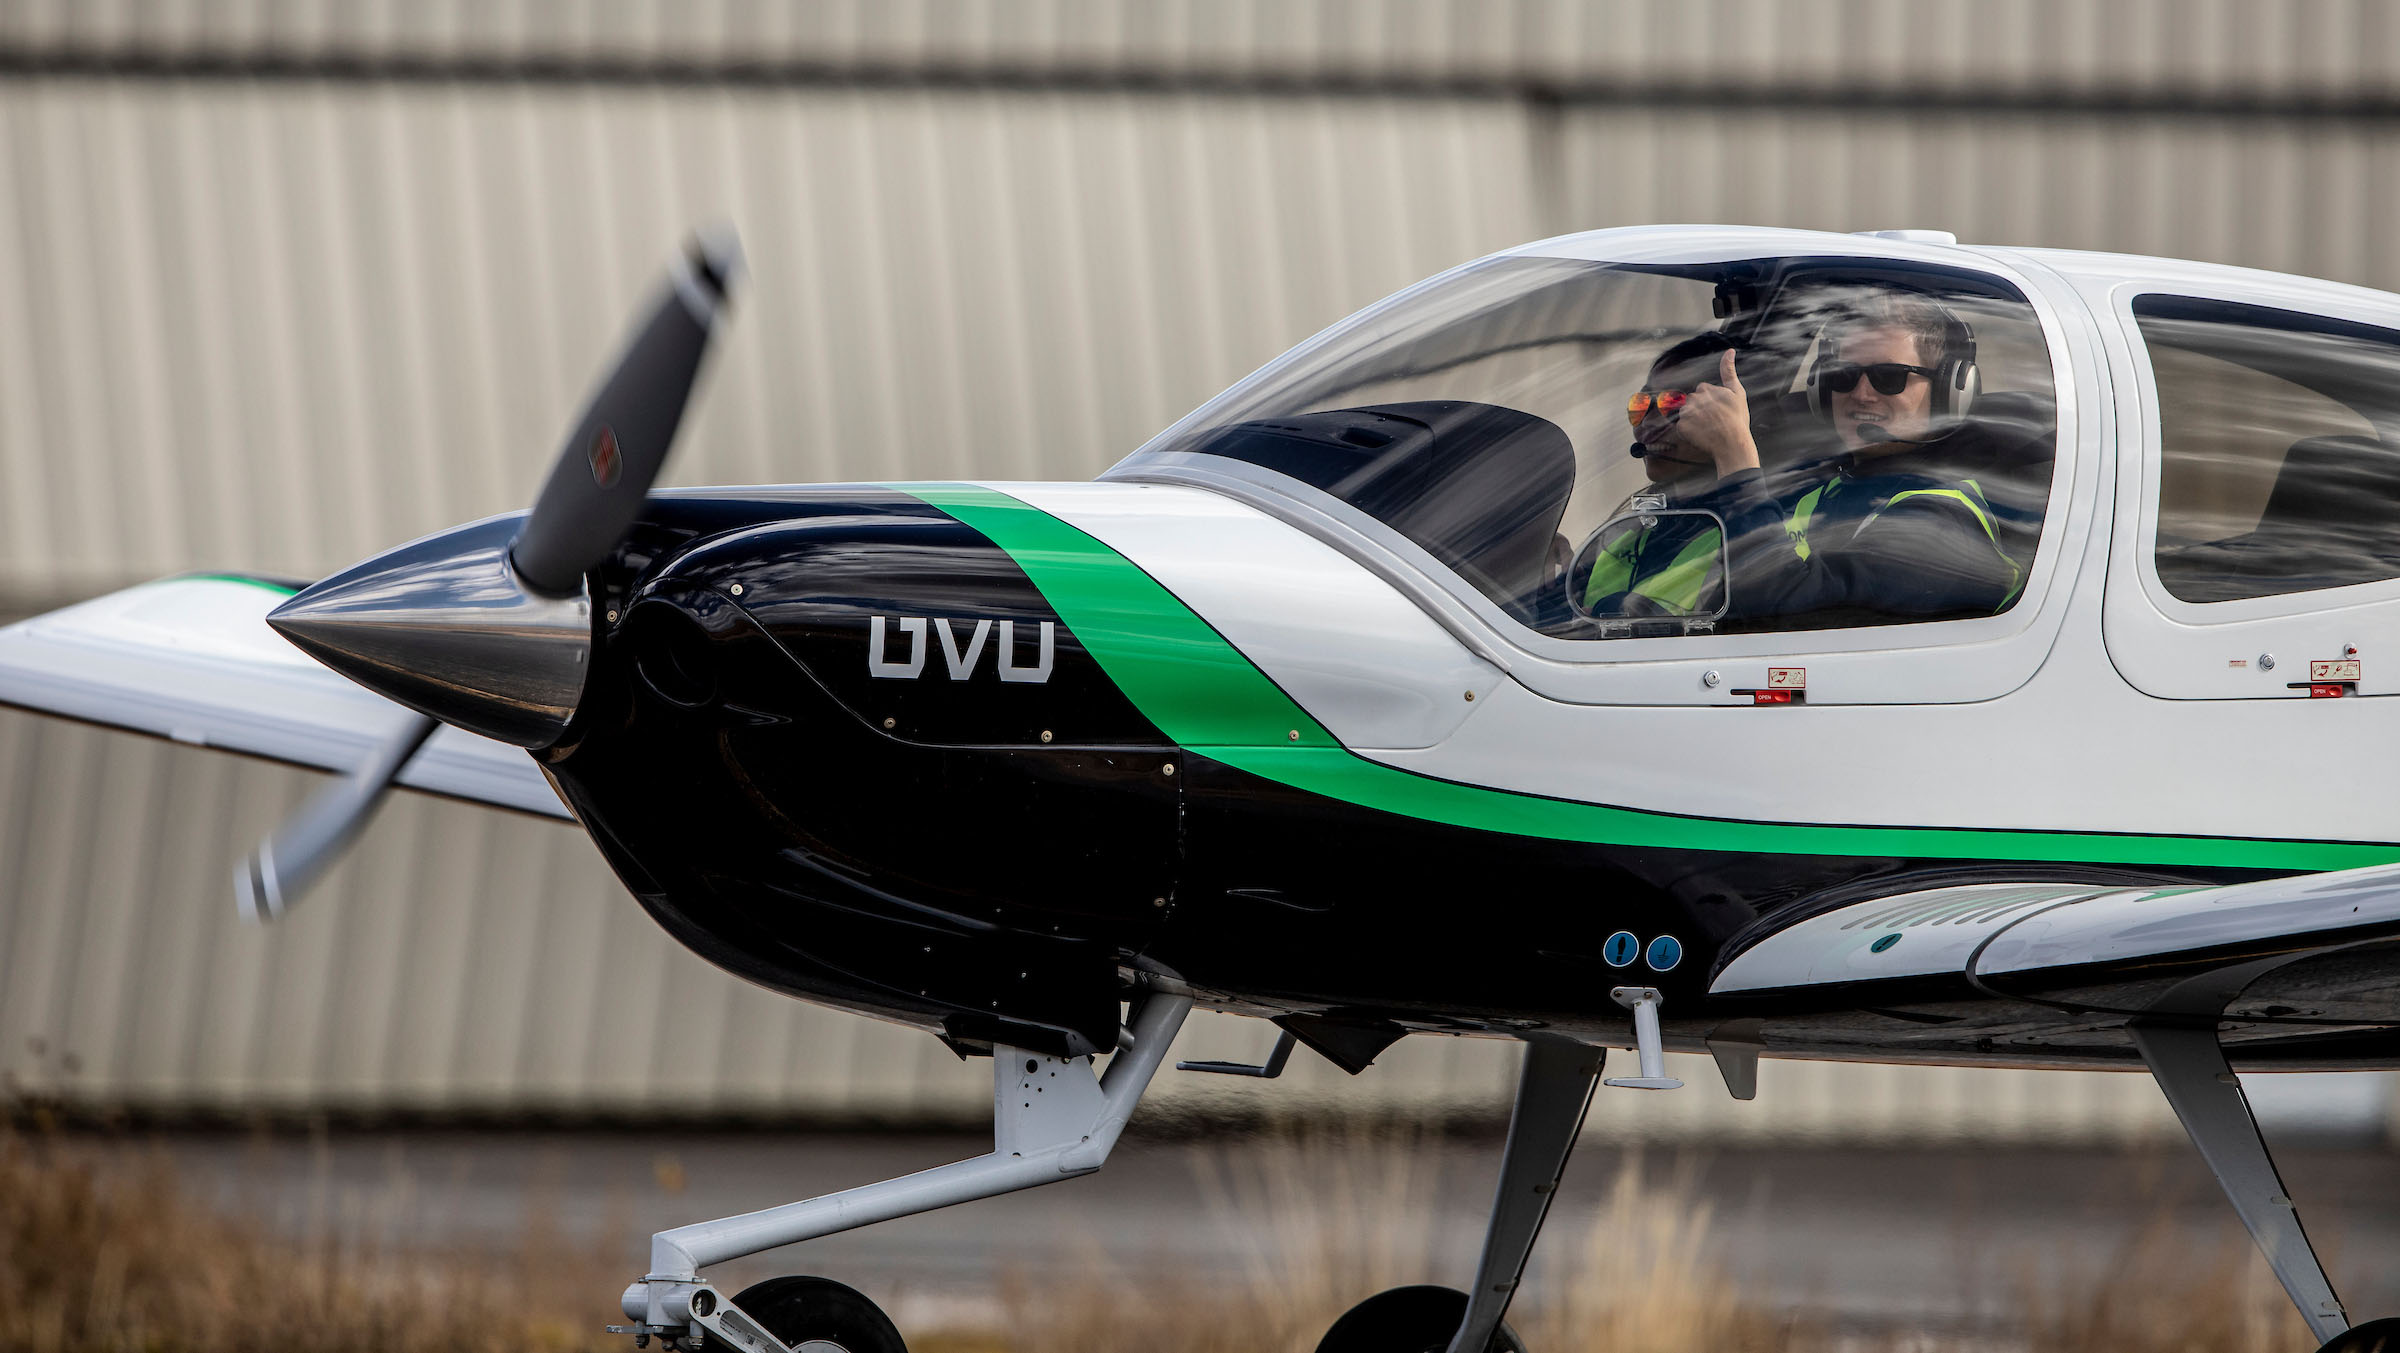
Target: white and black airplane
(1981, 658)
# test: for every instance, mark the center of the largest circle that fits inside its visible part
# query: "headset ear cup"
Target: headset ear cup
(1818, 405)
(1961, 380)
(1964, 384)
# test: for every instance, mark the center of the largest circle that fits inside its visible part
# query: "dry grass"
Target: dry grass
(102, 1253)
(1643, 1275)
(2160, 1291)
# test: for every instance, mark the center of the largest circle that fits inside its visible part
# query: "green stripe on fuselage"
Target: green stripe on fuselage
(1211, 700)
(1177, 670)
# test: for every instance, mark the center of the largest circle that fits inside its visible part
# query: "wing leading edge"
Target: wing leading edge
(192, 659)
(1996, 930)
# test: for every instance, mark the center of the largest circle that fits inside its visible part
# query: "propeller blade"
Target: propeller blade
(289, 862)
(603, 474)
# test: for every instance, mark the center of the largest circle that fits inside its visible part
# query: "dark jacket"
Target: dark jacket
(1891, 540)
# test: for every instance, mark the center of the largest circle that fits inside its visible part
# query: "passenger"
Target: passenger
(1693, 439)
(1897, 532)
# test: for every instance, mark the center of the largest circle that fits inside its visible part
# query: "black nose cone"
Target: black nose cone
(444, 626)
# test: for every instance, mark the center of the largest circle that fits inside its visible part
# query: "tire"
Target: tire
(819, 1315)
(1410, 1320)
(2375, 1336)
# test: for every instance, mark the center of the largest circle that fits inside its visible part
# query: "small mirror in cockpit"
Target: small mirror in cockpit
(1651, 571)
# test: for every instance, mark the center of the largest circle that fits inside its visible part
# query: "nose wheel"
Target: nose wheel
(819, 1315)
(1409, 1320)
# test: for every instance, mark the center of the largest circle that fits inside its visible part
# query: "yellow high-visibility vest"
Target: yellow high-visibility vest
(1678, 587)
(1968, 494)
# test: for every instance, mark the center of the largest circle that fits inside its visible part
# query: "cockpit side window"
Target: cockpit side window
(1555, 434)
(1480, 486)
(2280, 449)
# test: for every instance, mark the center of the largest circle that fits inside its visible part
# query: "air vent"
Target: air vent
(673, 654)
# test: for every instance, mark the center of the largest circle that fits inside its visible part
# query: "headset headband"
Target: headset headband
(1956, 380)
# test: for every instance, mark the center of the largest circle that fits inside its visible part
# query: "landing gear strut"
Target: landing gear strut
(2178, 1040)
(1052, 1119)
(1554, 1090)
(2191, 1068)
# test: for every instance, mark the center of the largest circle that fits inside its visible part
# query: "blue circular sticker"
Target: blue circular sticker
(1665, 952)
(1885, 943)
(1622, 948)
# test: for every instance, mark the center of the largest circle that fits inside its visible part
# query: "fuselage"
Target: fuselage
(1264, 717)
(938, 842)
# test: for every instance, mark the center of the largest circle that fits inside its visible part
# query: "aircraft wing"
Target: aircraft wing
(2027, 932)
(192, 659)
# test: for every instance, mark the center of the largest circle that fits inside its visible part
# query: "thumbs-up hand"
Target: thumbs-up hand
(1716, 419)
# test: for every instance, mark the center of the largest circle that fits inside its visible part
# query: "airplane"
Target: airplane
(1339, 705)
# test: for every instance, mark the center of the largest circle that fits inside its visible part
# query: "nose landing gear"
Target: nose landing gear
(1052, 1119)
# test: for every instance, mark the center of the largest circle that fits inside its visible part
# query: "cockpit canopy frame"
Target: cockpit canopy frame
(1539, 348)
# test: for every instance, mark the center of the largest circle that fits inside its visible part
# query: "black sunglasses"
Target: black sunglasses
(1888, 378)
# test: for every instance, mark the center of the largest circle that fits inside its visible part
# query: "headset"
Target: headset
(1706, 343)
(1956, 379)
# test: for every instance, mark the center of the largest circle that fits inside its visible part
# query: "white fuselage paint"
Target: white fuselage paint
(2076, 748)
(1367, 662)
(2073, 746)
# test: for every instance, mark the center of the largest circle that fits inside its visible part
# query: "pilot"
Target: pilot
(1897, 530)
(1692, 434)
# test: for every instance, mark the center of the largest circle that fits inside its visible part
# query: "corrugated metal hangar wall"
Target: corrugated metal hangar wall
(281, 284)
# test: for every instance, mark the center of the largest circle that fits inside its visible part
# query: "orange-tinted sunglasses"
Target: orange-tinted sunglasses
(1665, 401)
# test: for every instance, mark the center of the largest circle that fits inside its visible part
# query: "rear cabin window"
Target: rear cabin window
(2279, 466)
(1519, 422)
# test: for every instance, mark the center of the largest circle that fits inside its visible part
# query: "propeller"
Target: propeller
(295, 855)
(596, 488)
(613, 454)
